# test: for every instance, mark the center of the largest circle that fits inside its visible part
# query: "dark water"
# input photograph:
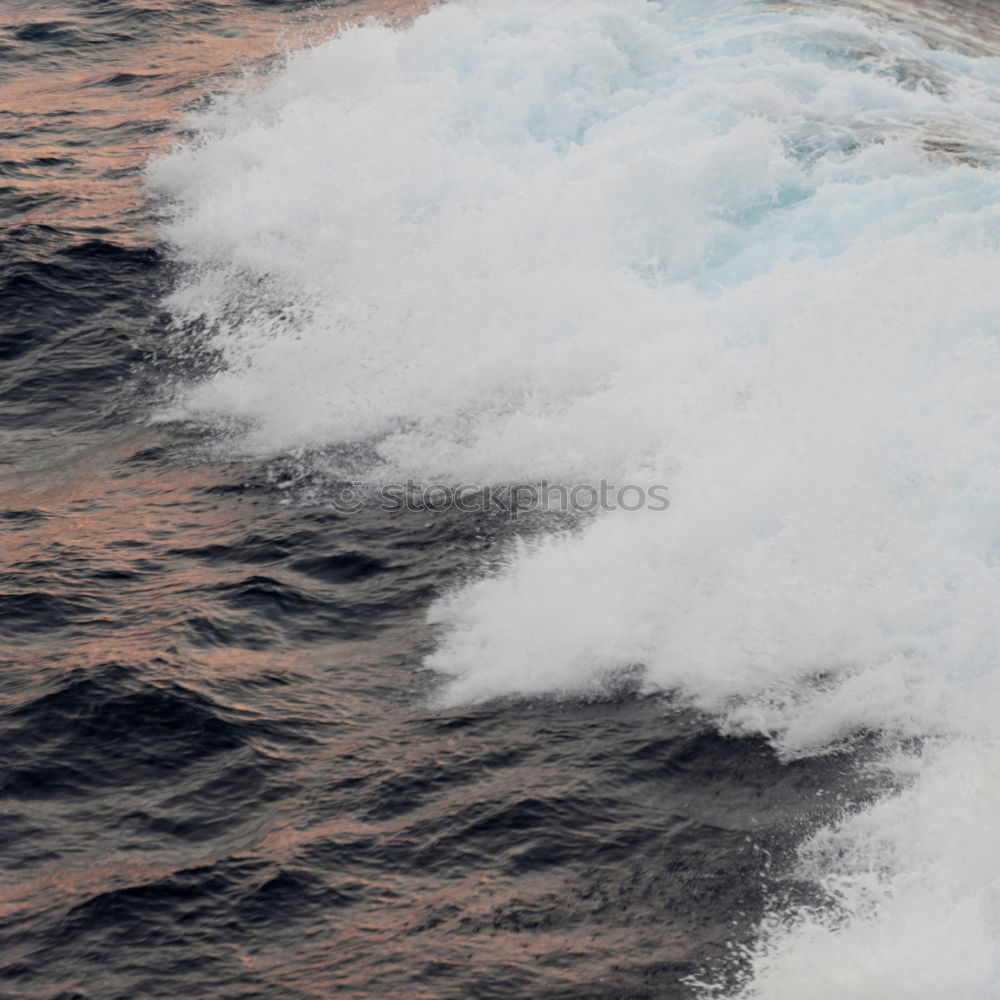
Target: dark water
(220, 780)
(222, 774)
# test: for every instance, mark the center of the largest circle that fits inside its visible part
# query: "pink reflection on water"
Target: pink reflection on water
(87, 125)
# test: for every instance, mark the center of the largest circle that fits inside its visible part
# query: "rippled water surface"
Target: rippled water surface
(257, 746)
(222, 778)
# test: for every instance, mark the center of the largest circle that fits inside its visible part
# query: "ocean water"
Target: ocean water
(266, 266)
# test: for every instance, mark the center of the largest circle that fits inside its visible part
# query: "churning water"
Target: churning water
(262, 742)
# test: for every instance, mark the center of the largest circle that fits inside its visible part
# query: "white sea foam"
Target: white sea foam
(753, 253)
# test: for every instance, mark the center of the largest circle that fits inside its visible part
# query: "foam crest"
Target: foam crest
(916, 899)
(747, 252)
(479, 222)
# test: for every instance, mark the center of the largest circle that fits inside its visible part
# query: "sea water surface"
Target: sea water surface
(262, 262)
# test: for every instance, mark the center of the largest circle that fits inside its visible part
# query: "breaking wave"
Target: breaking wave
(747, 250)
